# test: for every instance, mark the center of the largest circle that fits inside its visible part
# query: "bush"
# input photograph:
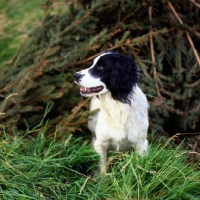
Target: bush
(162, 37)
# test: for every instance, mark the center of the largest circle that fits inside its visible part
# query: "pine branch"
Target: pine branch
(187, 34)
(153, 55)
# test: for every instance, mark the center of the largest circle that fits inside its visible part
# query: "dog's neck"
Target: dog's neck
(115, 111)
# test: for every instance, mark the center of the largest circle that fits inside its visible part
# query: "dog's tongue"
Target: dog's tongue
(91, 90)
(84, 89)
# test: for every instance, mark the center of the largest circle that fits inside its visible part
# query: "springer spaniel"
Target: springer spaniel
(121, 122)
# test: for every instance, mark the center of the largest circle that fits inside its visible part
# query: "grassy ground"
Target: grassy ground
(51, 168)
(17, 19)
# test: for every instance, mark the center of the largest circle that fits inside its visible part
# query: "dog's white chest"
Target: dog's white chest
(116, 139)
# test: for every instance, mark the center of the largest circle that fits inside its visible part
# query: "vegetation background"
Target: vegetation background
(43, 150)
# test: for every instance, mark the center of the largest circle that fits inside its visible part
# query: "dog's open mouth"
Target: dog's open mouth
(85, 90)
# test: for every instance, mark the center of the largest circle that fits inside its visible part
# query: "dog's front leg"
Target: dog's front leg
(142, 147)
(101, 148)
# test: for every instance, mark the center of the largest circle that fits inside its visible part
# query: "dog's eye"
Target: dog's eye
(100, 67)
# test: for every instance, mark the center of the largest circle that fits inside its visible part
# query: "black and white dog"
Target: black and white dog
(122, 120)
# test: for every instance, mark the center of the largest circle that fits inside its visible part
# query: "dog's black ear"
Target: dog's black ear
(124, 76)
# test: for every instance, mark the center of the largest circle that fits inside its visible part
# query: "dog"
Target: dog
(121, 122)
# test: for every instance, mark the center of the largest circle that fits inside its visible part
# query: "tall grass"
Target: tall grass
(52, 168)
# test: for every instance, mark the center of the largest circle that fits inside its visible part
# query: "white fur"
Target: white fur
(118, 126)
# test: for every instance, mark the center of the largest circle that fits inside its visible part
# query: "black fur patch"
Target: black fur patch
(119, 73)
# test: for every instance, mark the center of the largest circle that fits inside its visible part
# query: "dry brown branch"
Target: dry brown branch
(84, 121)
(193, 152)
(187, 34)
(196, 143)
(195, 3)
(179, 134)
(11, 95)
(75, 110)
(8, 87)
(153, 55)
(80, 105)
(193, 47)
(143, 66)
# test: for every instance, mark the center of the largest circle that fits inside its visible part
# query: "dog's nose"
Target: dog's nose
(77, 76)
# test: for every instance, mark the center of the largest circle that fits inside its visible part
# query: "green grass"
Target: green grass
(17, 19)
(61, 168)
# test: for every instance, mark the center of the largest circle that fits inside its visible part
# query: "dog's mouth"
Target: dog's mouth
(91, 90)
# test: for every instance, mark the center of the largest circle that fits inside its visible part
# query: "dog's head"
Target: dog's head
(110, 72)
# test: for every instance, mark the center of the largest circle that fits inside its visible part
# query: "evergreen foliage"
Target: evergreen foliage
(163, 37)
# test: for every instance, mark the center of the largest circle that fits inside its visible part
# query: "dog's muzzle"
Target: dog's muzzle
(78, 76)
